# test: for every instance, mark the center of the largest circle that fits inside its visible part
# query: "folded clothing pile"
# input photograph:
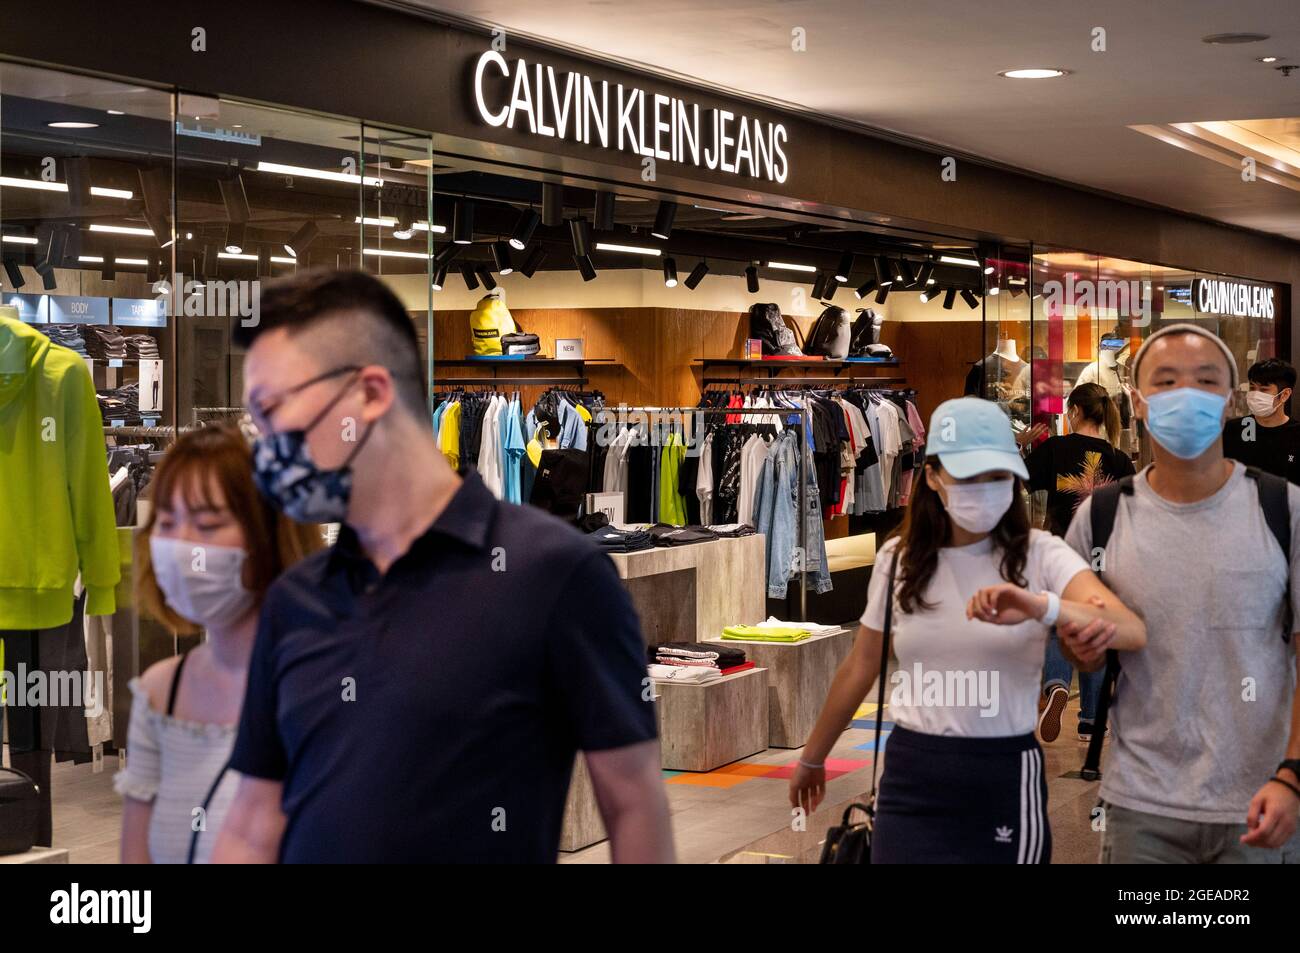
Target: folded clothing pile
(677, 673)
(755, 633)
(725, 659)
(120, 406)
(142, 346)
(732, 530)
(772, 622)
(68, 335)
(665, 535)
(613, 540)
(104, 342)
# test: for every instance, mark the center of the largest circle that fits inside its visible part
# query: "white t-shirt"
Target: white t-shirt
(959, 676)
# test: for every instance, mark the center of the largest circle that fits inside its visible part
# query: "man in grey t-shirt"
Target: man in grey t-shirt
(1202, 716)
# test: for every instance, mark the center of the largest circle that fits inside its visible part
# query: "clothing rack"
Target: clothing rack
(451, 383)
(793, 383)
(805, 420)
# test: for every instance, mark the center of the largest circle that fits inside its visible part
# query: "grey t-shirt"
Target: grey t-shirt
(1202, 714)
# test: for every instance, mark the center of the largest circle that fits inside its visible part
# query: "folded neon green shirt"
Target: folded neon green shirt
(752, 633)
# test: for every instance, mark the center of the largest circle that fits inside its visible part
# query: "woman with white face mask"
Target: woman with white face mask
(974, 593)
(211, 548)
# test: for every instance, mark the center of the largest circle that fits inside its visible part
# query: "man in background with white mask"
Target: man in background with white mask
(1267, 438)
(1205, 765)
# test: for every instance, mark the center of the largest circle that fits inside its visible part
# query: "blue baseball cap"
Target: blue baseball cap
(973, 436)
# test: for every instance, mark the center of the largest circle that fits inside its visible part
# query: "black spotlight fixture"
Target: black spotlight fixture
(603, 219)
(969, 298)
(48, 280)
(585, 267)
(301, 239)
(156, 188)
(552, 204)
(925, 273)
(819, 285)
(442, 258)
(845, 269)
(533, 262)
(949, 297)
(462, 223)
(524, 228)
(485, 276)
(15, 273)
(471, 279)
(235, 238)
(670, 273)
(439, 278)
(926, 295)
(663, 227)
(908, 277)
(751, 279)
(501, 257)
(697, 275)
(865, 288)
(832, 286)
(896, 272)
(882, 294)
(882, 271)
(580, 233)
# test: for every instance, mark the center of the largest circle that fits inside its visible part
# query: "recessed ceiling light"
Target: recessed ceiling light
(69, 124)
(1229, 39)
(1033, 72)
(1268, 59)
(115, 112)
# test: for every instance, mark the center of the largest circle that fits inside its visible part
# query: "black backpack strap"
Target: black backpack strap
(1104, 507)
(176, 683)
(1277, 514)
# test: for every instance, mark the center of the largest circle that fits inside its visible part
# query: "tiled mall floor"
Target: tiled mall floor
(737, 814)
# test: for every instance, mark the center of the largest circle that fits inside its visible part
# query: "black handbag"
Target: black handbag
(830, 334)
(19, 812)
(850, 842)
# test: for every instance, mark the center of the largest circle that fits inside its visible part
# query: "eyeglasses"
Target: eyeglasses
(261, 411)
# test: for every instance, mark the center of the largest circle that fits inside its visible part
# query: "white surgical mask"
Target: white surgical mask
(202, 583)
(1260, 403)
(978, 507)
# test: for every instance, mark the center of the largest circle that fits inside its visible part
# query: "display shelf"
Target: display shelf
(442, 383)
(704, 726)
(771, 367)
(495, 361)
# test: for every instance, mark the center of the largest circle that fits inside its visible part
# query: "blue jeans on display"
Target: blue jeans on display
(1058, 671)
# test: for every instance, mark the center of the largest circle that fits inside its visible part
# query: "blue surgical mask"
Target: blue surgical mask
(1186, 420)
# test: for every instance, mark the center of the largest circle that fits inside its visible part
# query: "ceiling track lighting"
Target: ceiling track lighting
(303, 237)
(751, 279)
(471, 279)
(664, 216)
(948, 298)
(462, 223)
(697, 275)
(882, 293)
(908, 276)
(603, 218)
(524, 228)
(235, 238)
(552, 204)
(14, 273)
(442, 258)
(845, 269)
(439, 278)
(580, 233)
(485, 276)
(865, 288)
(670, 273)
(882, 271)
(501, 257)
(585, 267)
(819, 286)
(924, 275)
(533, 262)
(969, 298)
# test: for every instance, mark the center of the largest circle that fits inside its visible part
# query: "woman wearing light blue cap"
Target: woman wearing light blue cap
(975, 591)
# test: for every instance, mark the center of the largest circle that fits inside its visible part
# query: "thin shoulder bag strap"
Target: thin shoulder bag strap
(884, 666)
(194, 836)
(176, 684)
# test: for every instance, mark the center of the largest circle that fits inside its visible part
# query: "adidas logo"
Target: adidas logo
(1003, 835)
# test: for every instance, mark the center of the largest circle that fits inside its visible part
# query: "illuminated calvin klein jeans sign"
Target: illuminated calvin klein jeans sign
(1232, 298)
(573, 106)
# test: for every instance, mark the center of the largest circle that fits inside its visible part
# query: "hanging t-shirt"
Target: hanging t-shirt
(672, 506)
(512, 441)
(449, 436)
(1069, 468)
(959, 676)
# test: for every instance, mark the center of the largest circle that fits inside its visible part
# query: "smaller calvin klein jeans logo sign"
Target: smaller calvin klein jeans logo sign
(77, 906)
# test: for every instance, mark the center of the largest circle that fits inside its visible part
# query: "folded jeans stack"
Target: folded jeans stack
(142, 346)
(68, 335)
(104, 342)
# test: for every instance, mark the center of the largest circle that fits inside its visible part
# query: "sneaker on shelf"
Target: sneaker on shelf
(1049, 721)
(1085, 734)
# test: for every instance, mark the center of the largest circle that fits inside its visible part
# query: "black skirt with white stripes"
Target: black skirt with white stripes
(948, 800)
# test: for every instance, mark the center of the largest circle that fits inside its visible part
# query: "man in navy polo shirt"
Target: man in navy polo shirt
(419, 692)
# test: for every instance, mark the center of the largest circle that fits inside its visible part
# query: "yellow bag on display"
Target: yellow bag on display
(489, 322)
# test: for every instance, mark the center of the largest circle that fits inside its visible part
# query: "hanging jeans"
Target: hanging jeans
(777, 506)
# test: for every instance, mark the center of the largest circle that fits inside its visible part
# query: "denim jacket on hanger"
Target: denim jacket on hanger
(777, 503)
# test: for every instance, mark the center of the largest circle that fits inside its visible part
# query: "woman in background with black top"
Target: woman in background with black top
(1069, 467)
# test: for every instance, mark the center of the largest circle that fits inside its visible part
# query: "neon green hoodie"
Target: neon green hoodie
(56, 509)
